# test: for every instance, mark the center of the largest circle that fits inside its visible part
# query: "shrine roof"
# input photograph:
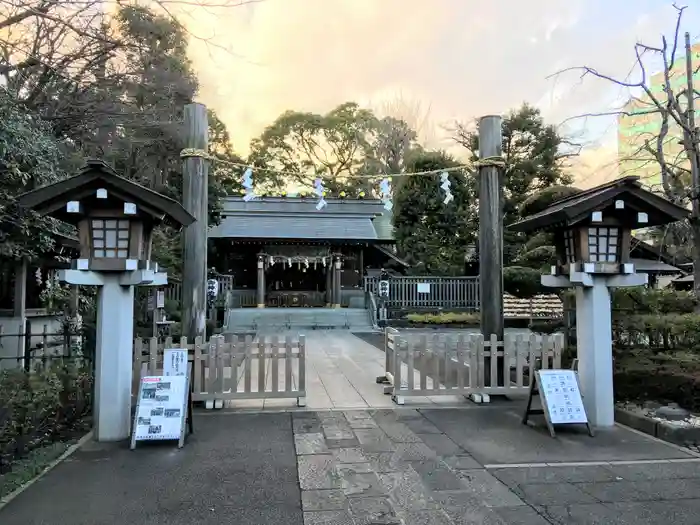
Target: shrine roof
(575, 208)
(291, 218)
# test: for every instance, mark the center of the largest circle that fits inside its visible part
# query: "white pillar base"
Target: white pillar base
(594, 345)
(114, 360)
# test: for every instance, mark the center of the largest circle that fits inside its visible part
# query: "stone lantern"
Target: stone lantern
(592, 231)
(115, 219)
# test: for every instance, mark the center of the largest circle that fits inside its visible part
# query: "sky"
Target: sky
(449, 60)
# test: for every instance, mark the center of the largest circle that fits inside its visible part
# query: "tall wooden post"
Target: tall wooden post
(491, 236)
(195, 175)
(336, 283)
(691, 145)
(260, 293)
(329, 285)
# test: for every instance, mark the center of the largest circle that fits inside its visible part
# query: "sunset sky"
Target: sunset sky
(458, 58)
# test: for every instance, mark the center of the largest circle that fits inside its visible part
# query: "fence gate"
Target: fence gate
(229, 369)
(432, 366)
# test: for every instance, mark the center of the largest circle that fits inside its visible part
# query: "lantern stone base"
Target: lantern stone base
(114, 348)
(594, 337)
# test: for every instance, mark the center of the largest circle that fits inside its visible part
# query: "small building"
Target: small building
(296, 253)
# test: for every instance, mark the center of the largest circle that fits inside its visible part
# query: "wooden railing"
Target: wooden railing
(459, 366)
(429, 292)
(231, 368)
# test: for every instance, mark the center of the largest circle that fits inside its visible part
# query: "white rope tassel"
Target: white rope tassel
(385, 194)
(445, 179)
(248, 184)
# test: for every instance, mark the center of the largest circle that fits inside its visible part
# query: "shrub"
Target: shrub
(663, 331)
(638, 300)
(41, 407)
(445, 318)
(523, 282)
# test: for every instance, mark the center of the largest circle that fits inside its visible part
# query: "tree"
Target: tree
(671, 108)
(30, 156)
(431, 235)
(333, 145)
(534, 158)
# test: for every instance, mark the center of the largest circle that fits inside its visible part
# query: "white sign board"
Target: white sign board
(160, 299)
(384, 288)
(174, 362)
(562, 396)
(161, 409)
(423, 287)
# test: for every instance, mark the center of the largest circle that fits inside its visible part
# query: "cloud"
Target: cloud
(461, 58)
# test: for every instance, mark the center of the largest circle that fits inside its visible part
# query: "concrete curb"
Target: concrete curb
(4, 501)
(658, 429)
(667, 443)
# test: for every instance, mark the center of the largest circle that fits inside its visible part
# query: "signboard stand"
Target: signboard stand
(560, 398)
(162, 400)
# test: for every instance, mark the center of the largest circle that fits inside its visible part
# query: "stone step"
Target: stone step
(251, 318)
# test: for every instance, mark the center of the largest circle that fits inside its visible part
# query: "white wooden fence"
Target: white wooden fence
(233, 369)
(431, 366)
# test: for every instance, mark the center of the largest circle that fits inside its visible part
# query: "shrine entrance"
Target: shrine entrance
(298, 276)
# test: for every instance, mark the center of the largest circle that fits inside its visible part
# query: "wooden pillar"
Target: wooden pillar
(336, 282)
(195, 175)
(261, 282)
(19, 310)
(491, 235)
(361, 266)
(19, 305)
(329, 285)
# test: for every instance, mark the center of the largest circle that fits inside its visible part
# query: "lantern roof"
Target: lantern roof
(577, 208)
(52, 199)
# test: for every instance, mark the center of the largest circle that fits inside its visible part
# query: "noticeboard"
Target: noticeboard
(162, 409)
(423, 288)
(175, 362)
(560, 396)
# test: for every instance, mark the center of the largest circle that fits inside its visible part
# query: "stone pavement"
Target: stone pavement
(466, 466)
(429, 467)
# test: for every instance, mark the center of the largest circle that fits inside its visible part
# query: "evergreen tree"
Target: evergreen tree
(431, 235)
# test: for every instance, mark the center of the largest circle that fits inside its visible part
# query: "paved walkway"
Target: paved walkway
(469, 466)
(226, 474)
(341, 374)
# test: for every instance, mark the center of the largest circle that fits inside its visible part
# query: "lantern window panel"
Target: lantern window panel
(110, 238)
(603, 244)
(569, 247)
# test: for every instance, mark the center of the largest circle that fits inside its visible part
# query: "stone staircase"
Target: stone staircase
(279, 319)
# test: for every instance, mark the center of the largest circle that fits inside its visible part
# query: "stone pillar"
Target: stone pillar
(336, 283)
(594, 338)
(594, 348)
(261, 282)
(329, 285)
(114, 359)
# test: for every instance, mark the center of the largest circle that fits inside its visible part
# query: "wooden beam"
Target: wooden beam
(490, 235)
(195, 175)
(19, 305)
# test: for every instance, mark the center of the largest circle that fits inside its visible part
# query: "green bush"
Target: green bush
(663, 331)
(639, 300)
(445, 318)
(41, 407)
(523, 282)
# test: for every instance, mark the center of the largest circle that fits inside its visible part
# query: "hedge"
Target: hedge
(42, 407)
(446, 318)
